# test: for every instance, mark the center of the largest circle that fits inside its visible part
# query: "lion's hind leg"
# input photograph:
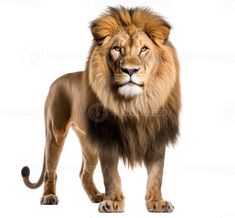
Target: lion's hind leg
(57, 120)
(54, 146)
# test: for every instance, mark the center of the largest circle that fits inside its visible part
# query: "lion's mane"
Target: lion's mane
(135, 128)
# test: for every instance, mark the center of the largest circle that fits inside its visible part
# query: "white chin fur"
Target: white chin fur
(130, 90)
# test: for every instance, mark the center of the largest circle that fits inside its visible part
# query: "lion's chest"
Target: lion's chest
(132, 139)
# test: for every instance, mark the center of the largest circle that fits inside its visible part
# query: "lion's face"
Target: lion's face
(131, 58)
(132, 66)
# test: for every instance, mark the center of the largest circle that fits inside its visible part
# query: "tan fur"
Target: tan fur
(112, 118)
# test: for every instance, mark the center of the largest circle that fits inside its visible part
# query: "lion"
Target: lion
(125, 105)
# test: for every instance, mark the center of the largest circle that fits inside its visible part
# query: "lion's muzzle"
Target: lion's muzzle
(130, 71)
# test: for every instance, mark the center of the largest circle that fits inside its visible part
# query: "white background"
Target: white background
(43, 39)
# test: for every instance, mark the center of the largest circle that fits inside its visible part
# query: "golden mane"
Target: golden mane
(116, 19)
(133, 125)
(164, 79)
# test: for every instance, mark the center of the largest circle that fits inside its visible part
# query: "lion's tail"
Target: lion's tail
(25, 172)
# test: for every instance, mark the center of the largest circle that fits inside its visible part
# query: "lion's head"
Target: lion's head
(132, 66)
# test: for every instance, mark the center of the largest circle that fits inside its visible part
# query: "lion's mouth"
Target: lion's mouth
(130, 89)
(131, 82)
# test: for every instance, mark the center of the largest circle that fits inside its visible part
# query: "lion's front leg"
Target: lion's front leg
(154, 201)
(113, 201)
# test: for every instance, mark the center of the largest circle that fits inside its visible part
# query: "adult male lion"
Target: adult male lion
(124, 105)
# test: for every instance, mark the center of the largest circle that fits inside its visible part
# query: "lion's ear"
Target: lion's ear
(158, 31)
(103, 27)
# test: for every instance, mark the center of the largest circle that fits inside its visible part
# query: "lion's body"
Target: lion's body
(124, 105)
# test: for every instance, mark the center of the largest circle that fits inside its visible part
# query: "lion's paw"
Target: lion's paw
(97, 198)
(160, 206)
(49, 200)
(108, 206)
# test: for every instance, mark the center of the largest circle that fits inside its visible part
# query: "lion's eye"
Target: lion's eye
(144, 49)
(117, 48)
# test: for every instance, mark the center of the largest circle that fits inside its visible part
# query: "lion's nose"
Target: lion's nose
(130, 71)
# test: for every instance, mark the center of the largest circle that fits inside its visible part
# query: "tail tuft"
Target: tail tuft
(25, 172)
